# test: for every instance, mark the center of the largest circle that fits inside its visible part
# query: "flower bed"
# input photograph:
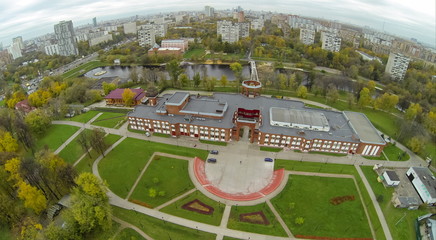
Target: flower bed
(254, 217)
(140, 203)
(199, 207)
(341, 199)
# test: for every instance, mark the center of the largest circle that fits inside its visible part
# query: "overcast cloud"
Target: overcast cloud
(406, 18)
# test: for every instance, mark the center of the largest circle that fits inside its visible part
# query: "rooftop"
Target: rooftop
(302, 119)
(339, 130)
(392, 175)
(118, 93)
(427, 179)
(173, 41)
(364, 128)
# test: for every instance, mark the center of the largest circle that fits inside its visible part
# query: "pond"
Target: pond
(211, 70)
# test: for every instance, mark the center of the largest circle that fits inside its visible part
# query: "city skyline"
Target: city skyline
(32, 18)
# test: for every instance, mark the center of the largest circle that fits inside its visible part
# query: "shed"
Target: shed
(391, 178)
(412, 203)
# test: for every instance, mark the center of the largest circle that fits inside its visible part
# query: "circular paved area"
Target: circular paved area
(237, 177)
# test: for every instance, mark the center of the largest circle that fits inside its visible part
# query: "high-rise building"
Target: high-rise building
(94, 21)
(19, 41)
(257, 24)
(307, 36)
(397, 65)
(209, 11)
(130, 28)
(241, 17)
(52, 49)
(64, 32)
(15, 50)
(146, 37)
(330, 42)
(232, 32)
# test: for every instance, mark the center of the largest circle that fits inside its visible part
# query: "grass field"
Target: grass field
(329, 154)
(404, 229)
(339, 169)
(213, 142)
(5, 233)
(131, 156)
(198, 52)
(159, 229)
(2, 103)
(230, 238)
(104, 235)
(84, 117)
(321, 218)
(213, 219)
(109, 120)
(73, 151)
(274, 228)
(55, 136)
(270, 149)
(129, 234)
(85, 165)
(173, 178)
(395, 154)
(82, 69)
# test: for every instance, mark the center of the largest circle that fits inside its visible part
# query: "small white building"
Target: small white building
(424, 183)
(391, 178)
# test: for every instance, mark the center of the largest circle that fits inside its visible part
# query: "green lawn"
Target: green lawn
(104, 235)
(131, 156)
(5, 233)
(405, 229)
(85, 165)
(230, 238)
(395, 154)
(109, 120)
(82, 69)
(2, 103)
(270, 149)
(329, 154)
(218, 143)
(274, 228)
(311, 198)
(128, 234)
(197, 52)
(55, 136)
(84, 117)
(73, 151)
(213, 219)
(160, 134)
(158, 229)
(339, 169)
(173, 178)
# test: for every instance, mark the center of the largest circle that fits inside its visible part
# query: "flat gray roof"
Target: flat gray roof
(177, 98)
(393, 175)
(364, 128)
(205, 106)
(426, 177)
(302, 117)
(340, 130)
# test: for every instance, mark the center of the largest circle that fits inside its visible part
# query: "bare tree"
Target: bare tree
(97, 140)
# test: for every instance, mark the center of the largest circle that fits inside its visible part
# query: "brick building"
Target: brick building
(175, 43)
(266, 121)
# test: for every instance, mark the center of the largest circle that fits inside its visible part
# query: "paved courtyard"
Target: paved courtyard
(237, 172)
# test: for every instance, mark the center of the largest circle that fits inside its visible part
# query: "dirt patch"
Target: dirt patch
(140, 203)
(254, 217)
(199, 207)
(341, 199)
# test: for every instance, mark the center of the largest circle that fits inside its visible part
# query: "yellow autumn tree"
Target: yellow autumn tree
(128, 96)
(33, 197)
(7, 142)
(12, 166)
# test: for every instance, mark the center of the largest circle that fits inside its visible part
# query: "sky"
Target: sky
(404, 18)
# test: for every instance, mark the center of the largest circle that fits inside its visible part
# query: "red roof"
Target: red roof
(118, 93)
(24, 106)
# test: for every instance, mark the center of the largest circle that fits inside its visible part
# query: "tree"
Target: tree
(299, 220)
(90, 208)
(128, 96)
(197, 79)
(15, 98)
(371, 86)
(237, 70)
(364, 97)
(108, 87)
(430, 122)
(174, 69)
(97, 140)
(7, 142)
(134, 74)
(302, 92)
(282, 81)
(38, 121)
(152, 192)
(224, 80)
(332, 94)
(39, 98)
(13, 167)
(83, 140)
(184, 80)
(6, 119)
(413, 111)
(33, 198)
(23, 132)
(386, 102)
(416, 144)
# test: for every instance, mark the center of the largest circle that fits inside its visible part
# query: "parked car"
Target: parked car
(211, 160)
(269, 160)
(215, 152)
